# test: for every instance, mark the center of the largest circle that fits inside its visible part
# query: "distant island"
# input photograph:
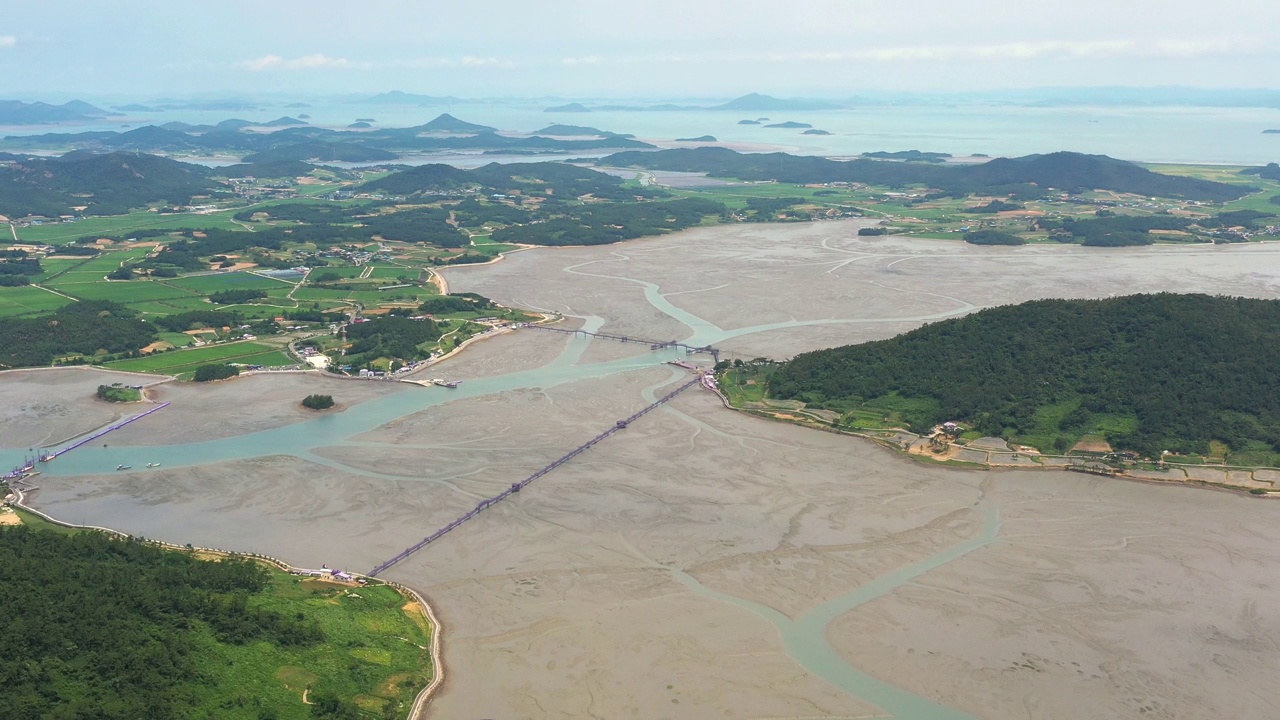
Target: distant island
(16, 112)
(753, 102)
(293, 139)
(766, 103)
(397, 97)
(1271, 132)
(134, 107)
(700, 138)
(448, 123)
(1029, 176)
(368, 120)
(558, 130)
(1144, 373)
(285, 121)
(815, 132)
(789, 125)
(909, 156)
(748, 122)
(359, 125)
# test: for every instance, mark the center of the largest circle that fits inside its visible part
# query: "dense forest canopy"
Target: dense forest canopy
(612, 222)
(116, 629)
(84, 328)
(1182, 370)
(107, 184)
(389, 337)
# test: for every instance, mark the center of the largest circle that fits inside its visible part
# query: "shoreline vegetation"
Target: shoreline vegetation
(414, 602)
(1261, 482)
(1139, 385)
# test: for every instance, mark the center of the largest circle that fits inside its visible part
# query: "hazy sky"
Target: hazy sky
(649, 48)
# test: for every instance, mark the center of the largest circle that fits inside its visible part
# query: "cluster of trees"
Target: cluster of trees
(768, 209)
(311, 213)
(119, 629)
(195, 319)
(389, 337)
(456, 302)
(599, 224)
(995, 206)
(1185, 369)
(215, 371)
(15, 266)
(1026, 177)
(79, 328)
(421, 225)
(361, 222)
(318, 402)
(118, 393)
(993, 237)
(1270, 171)
(236, 296)
(466, 258)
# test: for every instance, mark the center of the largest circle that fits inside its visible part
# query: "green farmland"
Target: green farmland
(177, 362)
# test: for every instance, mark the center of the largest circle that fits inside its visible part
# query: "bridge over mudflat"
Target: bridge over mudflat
(517, 487)
(653, 344)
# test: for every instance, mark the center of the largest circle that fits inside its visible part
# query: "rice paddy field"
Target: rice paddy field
(177, 362)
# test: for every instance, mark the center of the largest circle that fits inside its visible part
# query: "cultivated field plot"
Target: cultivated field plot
(125, 292)
(116, 225)
(177, 362)
(229, 281)
(29, 300)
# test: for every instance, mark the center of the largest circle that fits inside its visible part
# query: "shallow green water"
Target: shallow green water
(804, 637)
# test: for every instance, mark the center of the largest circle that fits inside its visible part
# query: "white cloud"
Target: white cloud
(8, 41)
(318, 61)
(265, 62)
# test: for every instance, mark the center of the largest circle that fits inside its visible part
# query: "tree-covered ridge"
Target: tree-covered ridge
(107, 184)
(108, 628)
(1026, 176)
(79, 328)
(1151, 372)
(542, 179)
(599, 224)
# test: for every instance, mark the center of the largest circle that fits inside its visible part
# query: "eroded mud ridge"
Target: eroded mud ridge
(707, 564)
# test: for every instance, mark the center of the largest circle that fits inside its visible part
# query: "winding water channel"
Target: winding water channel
(804, 637)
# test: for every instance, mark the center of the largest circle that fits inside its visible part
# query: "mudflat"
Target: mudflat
(705, 563)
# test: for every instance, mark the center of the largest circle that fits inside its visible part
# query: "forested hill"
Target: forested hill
(552, 179)
(108, 184)
(1026, 176)
(1150, 372)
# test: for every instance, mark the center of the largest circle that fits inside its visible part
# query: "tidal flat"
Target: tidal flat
(704, 563)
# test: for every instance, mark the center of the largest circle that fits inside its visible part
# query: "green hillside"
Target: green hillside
(107, 184)
(1149, 372)
(119, 629)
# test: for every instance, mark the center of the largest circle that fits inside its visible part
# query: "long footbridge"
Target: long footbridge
(517, 487)
(29, 464)
(653, 344)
